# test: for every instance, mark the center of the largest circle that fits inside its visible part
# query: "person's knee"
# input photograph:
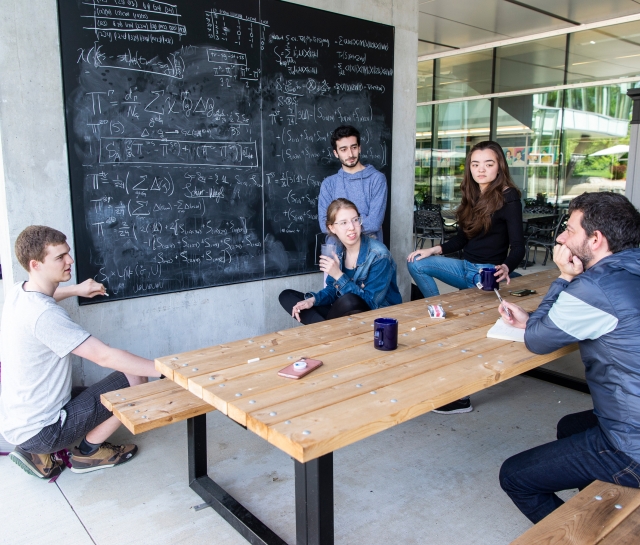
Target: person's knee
(135, 380)
(509, 467)
(562, 426)
(284, 296)
(415, 266)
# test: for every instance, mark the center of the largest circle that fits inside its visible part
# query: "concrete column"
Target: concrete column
(633, 166)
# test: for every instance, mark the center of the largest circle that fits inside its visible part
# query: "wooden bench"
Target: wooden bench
(602, 514)
(153, 405)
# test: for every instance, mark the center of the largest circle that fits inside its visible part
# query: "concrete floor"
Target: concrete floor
(433, 480)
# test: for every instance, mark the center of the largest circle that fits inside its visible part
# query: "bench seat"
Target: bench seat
(153, 405)
(586, 520)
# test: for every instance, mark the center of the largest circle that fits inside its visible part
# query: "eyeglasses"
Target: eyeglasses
(343, 224)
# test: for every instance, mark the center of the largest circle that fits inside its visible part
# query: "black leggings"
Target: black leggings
(343, 306)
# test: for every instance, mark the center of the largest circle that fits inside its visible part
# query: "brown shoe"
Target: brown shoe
(107, 455)
(43, 466)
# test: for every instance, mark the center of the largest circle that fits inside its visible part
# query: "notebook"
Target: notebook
(502, 330)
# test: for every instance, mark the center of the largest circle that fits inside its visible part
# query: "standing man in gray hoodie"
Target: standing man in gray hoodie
(366, 187)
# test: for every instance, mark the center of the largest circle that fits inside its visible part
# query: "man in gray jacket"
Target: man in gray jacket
(595, 302)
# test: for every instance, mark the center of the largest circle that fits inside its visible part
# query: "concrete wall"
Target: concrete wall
(34, 188)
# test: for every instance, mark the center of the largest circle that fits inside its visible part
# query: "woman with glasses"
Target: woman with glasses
(489, 233)
(361, 277)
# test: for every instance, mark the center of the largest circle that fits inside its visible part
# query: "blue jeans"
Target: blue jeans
(581, 455)
(458, 273)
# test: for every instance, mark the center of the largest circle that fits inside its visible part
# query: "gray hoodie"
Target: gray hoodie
(367, 189)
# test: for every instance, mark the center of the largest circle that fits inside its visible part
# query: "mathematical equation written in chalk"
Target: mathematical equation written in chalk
(200, 133)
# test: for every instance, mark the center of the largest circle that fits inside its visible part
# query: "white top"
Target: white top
(37, 337)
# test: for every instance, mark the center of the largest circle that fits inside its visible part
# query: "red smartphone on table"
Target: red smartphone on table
(300, 368)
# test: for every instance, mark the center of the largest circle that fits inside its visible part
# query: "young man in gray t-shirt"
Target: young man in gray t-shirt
(38, 411)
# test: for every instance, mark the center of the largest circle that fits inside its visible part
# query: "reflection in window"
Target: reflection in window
(604, 53)
(528, 129)
(530, 65)
(425, 81)
(459, 125)
(464, 75)
(596, 140)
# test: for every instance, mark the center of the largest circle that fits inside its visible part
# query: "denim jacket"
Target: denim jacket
(374, 279)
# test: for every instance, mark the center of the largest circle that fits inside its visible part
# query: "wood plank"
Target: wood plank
(335, 328)
(429, 369)
(397, 367)
(625, 533)
(349, 421)
(157, 409)
(336, 357)
(584, 520)
(135, 393)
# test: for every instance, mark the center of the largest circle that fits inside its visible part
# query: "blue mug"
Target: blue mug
(488, 281)
(385, 333)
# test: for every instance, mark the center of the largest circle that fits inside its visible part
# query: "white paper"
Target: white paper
(502, 330)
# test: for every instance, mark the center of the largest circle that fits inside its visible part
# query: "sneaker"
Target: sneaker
(107, 455)
(43, 466)
(455, 407)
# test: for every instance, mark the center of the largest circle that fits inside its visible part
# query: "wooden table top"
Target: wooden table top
(359, 391)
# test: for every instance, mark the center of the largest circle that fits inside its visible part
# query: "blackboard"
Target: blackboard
(199, 134)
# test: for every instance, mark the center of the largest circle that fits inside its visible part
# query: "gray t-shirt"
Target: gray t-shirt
(37, 338)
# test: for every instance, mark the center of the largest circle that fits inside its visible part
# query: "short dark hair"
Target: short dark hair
(613, 215)
(33, 241)
(344, 131)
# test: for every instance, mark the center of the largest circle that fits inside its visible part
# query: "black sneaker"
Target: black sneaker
(43, 466)
(455, 407)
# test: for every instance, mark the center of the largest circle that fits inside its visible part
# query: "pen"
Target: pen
(506, 310)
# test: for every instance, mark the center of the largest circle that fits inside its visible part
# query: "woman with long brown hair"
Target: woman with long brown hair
(489, 230)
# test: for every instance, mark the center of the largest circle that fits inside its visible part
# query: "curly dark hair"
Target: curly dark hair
(344, 131)
(476, 207)
(613, 215)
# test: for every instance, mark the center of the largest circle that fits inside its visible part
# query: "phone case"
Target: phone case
(522, 293)
(290, 372)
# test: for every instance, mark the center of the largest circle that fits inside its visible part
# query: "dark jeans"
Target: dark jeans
(581, 455)
(343, 306)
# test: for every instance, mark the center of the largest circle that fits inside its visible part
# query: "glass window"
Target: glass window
(604, 53)
(464, 75)
(530, 65)
(528, 129)
(425, 81)
(459, 126)
(596, 124)
(422, 187)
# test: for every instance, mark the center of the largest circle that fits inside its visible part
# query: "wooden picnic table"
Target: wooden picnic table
(358, 392)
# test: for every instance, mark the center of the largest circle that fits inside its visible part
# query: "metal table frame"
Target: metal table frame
(313, 489)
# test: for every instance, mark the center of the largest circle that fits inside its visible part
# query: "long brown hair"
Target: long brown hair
(476, 208)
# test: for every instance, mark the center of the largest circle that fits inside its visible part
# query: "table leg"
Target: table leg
(314, 501)
(241, 519)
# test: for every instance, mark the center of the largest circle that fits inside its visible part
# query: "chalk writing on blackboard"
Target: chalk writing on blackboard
(199, 134)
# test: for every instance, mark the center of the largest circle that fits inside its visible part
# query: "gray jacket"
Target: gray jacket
(601, 310)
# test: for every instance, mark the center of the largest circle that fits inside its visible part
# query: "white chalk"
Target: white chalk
(253, 359)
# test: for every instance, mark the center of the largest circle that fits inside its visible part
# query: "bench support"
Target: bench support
(314, 501)
(242, 520)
